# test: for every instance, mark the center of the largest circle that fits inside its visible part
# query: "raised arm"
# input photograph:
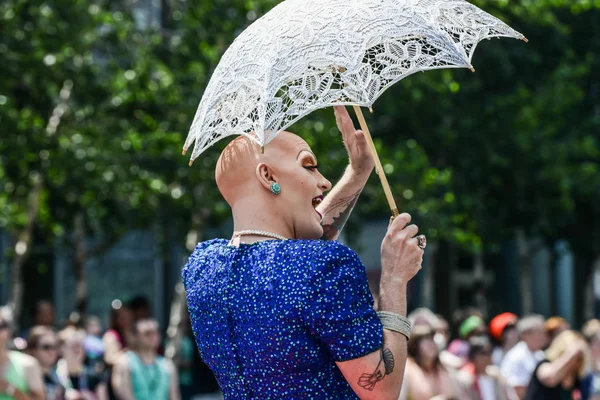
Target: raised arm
(552, 374)
(339, 203)
(379, 374)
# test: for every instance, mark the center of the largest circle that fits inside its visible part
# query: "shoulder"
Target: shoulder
(328, 251)
(25, 360)
(123, 360)
(206, 250)
(513, 355)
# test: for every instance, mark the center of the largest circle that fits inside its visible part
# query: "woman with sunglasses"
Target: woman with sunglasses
(42, 343)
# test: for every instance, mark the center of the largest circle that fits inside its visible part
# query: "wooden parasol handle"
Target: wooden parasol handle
(378, 167)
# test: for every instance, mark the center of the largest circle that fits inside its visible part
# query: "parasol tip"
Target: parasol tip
(191, 162)
(472, 69)
(525, 39)
(262, 149)
(371, 110)
(183, 152)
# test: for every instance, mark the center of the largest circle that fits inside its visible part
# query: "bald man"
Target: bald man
(243, 168)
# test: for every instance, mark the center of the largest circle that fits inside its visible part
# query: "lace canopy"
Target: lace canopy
(308, 54)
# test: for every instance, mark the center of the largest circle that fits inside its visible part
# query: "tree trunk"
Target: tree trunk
(22, 251)
(79, 265)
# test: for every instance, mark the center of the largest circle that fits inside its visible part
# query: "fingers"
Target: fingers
(400, 222)
(343, 120)
(410, 231)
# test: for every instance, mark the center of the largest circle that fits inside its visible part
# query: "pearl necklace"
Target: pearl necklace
(253, 232)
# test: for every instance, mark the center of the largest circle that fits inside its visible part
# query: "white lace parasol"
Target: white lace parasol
(307, 54)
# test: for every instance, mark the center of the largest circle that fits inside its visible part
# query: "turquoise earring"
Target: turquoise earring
(275, 188)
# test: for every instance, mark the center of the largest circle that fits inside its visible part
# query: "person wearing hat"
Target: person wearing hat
(555, 326)
(503, 329)
(473, 325)
(559, 374)
(520, 362)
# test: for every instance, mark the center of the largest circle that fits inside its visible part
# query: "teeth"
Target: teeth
(317, 201)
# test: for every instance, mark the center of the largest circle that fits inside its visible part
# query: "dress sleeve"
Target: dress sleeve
(340, 306)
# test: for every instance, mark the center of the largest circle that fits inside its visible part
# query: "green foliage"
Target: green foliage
(472, 156)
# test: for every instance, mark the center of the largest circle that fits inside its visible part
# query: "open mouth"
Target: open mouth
(315, 202)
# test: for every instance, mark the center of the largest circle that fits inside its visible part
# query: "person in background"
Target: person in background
(21, 375)
(503, 329)
(473, 325)
(425, 377)
(42, 344)
(555, 326)
(480, 379)
(558, 375)
(590, 387)
(520, 361)
(424, 316)
(141, 374)
(116, 338)
(71, 371)
(93, 344)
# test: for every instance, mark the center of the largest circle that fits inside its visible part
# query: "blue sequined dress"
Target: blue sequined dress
(271, 318)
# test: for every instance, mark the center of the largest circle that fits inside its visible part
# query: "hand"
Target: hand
(361, 160)
(401, 256)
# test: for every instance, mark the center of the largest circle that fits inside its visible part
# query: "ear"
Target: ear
(265, 175)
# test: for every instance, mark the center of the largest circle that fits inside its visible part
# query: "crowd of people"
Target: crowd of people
(507, 358)
(83, 361)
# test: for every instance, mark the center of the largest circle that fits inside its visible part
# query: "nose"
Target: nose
(324, 184)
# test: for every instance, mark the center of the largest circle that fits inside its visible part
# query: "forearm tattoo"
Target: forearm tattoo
(343, 208)
(384, 367)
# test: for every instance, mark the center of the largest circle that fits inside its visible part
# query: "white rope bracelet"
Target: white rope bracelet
(395, 322)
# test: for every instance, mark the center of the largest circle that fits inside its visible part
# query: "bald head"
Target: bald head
(236, 171)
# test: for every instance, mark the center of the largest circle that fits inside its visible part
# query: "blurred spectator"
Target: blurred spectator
(425, 377)
(558, 375)
(556, 325)
(78, 382)
(141, 373)
(424, 316)
(140, 307)
(116, 338)
(42, 344)
(22, 376)
(480, 379)
(473, 325)
(93, 344)
(520, 361)
(503, 329)
(590, 387)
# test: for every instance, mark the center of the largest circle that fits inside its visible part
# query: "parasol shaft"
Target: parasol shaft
(378, 167)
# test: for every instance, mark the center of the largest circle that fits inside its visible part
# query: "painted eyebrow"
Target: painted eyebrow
(308, 151)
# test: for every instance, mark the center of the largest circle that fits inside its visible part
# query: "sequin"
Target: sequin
(272, 318)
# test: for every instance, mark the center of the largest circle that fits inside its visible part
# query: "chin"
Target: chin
(311, 233)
